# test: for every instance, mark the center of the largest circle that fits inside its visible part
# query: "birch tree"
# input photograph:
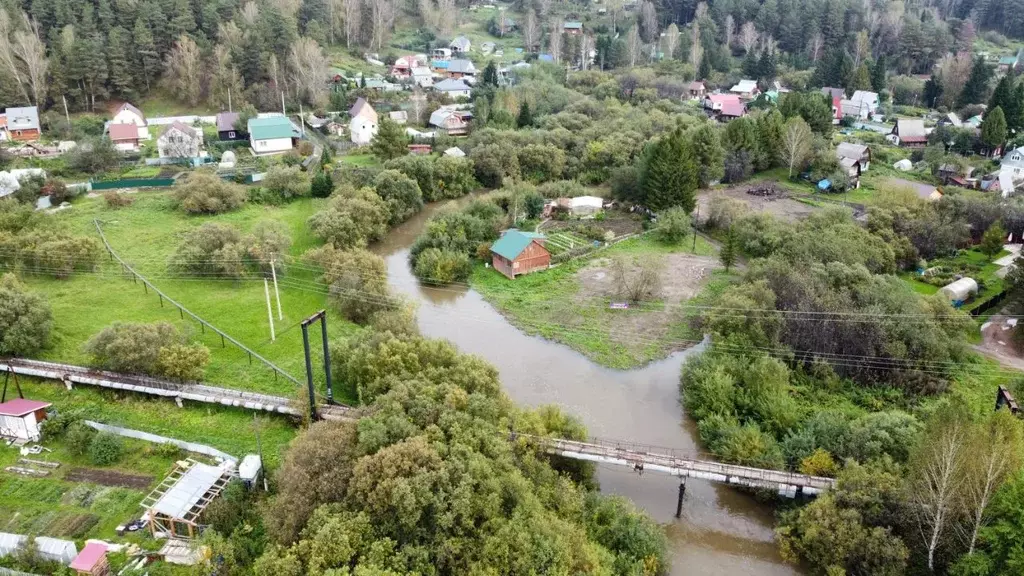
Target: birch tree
(543, 7)
(614, 7)
(815, 46)
(861, 48)
(937, 478)
(226, 84)
(250, 14)
(696, 48)
(555, 40)
(671, 40)
(730, 30)
(446, 15)
(530, 30)
(648, 21)
(994, 454)
(382, 19)
(633, 45)
(184, 69)
(796, 143)
(748, 37)
(7, 57)
(31, 51)
(586, 47)
(309, 68)
(353, 16)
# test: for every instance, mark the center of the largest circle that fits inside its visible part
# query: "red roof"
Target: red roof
(724, 99)
(734, 109)
(20, 407)
(89, 557)
(124, 132)
(837, 103)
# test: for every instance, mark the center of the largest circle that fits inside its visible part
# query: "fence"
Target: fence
(146, 436)
(133, 183)
(182, 311)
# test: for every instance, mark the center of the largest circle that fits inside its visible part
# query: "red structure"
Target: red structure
(517, 253)
(91, 561)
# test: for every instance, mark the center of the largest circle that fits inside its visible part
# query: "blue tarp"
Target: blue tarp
(824, 185)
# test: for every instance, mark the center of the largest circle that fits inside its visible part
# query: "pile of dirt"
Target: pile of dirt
(108, 478)
(768, 191)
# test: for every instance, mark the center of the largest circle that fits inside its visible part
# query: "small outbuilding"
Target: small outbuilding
(53, 549)
(585, 205)
(959, 291)
(517, 253)
(91, 561)
(20, 419)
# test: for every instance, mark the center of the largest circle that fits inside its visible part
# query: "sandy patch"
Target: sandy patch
(786, 209)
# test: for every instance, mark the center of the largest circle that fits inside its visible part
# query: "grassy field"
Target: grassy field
(146, 235)
(550, 304)
(359, 160)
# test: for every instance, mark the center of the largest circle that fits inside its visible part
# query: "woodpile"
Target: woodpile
(768, 190)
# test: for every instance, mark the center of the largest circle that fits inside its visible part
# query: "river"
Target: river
(721, 532)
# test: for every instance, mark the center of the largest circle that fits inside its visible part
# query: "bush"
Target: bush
(437, 266)
(184, 362)
(211, 250)
(351, 219)
(78, 438)
(25, 319)
(105, 449)
(117, 200)
(673, 225)
(401, 193)
(358, 281)
(205, 193)
(322, 185)
(131, 348)
(282, 184)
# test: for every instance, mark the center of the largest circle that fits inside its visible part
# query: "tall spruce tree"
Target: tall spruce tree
(993, 129)
(707, 152)
(147, 57)
(976, 88)
(932, 91)
(878, 74)
(525, 118)
(122, 83)
(770, 126)
(670, 174)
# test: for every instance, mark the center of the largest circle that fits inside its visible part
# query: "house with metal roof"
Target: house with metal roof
(91, 561)
(746, 89)
(517, 253)
(858, 152)
(453, 88)
(909, 133)
(460, 45)
(21, 419)
(125, 137)
(226, 129)
(363, 124)
(22, 124)
(572, 28)
(129, 114)
(461, 68)
(270, 135)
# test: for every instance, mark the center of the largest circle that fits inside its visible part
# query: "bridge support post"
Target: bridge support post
(682, 493)
(67, 383)
(177, 400)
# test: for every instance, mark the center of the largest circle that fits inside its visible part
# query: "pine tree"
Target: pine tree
(1002, 94)
(525, 117)
(184, 21)
(750, 67)
(121, 81)
(325, 156)
(1014, 110)
(707, 152)
(932, 92)
(993, 239)
(104, 16)
(861, 79)
(766, 67)
(705, 67)
(976, 88)
(321, 185)
(670, 174)
(147, 57)
(728, 253)
(878, 74)
(390, 141)
(770, 126)
(993, 129)
(490, 77)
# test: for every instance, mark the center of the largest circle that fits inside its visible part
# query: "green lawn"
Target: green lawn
(360, 160)
(146, 235)
(548, 304)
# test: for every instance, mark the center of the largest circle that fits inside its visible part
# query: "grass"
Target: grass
(161, 103)
(360, 160)
(548, 304)
(146, 235)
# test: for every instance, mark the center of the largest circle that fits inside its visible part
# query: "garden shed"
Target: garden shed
(20, 419)
(585, 205)
(517, 253)
(959, 291)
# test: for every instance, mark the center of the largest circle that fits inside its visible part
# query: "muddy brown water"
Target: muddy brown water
(722, 531)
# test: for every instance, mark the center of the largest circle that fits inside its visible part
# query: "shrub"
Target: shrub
(185, 362)
(117, 200)
(269, 242)
(357, 280)
(401, 193)
(78, 438)
(25, 319)
(105, 449)
(205, 193)
(284, 183)
(322, 185)
(211, 250)
(131, 348)
(56, 190)
(351, 219)
(673, 225)
(439, 266)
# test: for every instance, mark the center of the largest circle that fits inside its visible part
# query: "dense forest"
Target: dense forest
(206, 50)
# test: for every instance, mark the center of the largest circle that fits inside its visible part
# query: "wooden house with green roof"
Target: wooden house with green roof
(518, 252)
(271, 135)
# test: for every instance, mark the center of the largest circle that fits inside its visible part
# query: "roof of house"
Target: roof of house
(451, 85)
(440, 64)
(953, 119)
(865, 96)
(123, 132)
(744, 86)
(851, 150)
(723, 98)
(922, 190)
(460, 43)
(834, 93)
(89, 557)
(696, 85)
(513, 242)
(911, 129)
(398, 115)
(20, 407)
(226, 121)
(363, 109)
(440, 116)
(734, 109)
(269, 128)
(455, 152)
(1011, 60)
(586, 201)
(1019, 150)
(23, 118)
(572, 26)
(420, 71)
(462, 66)
(129, 107)
(181, 127)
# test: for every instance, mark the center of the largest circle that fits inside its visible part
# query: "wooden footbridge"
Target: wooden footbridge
(178, 391)
(655, 459)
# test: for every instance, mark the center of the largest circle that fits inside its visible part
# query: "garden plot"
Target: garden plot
(560, 242)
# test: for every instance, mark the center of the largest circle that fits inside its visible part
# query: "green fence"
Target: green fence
(133, 183)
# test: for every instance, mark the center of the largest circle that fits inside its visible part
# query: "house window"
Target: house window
(263, 143)
(231, 134)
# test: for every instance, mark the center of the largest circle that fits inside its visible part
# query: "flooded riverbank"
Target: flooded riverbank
(722, 531)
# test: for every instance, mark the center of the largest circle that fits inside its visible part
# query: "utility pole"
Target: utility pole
(696, 221)
(66, 115)
(270, 311)
(277, 295)
(283, 110)
(302, 120)
(229, 100)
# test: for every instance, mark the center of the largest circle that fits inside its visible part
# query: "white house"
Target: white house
(1013, 162)
(178, 140)
(422, 76)
(866, 100)
(460, 45)
(453, 88)
(20, 419)
(270, 135)
(746, 89)
(363, 126)
(128, 114)
(585, 205)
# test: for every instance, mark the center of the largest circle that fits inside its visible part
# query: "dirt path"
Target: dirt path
(997, 342)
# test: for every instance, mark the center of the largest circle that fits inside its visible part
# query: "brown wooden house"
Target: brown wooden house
(517, 253)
